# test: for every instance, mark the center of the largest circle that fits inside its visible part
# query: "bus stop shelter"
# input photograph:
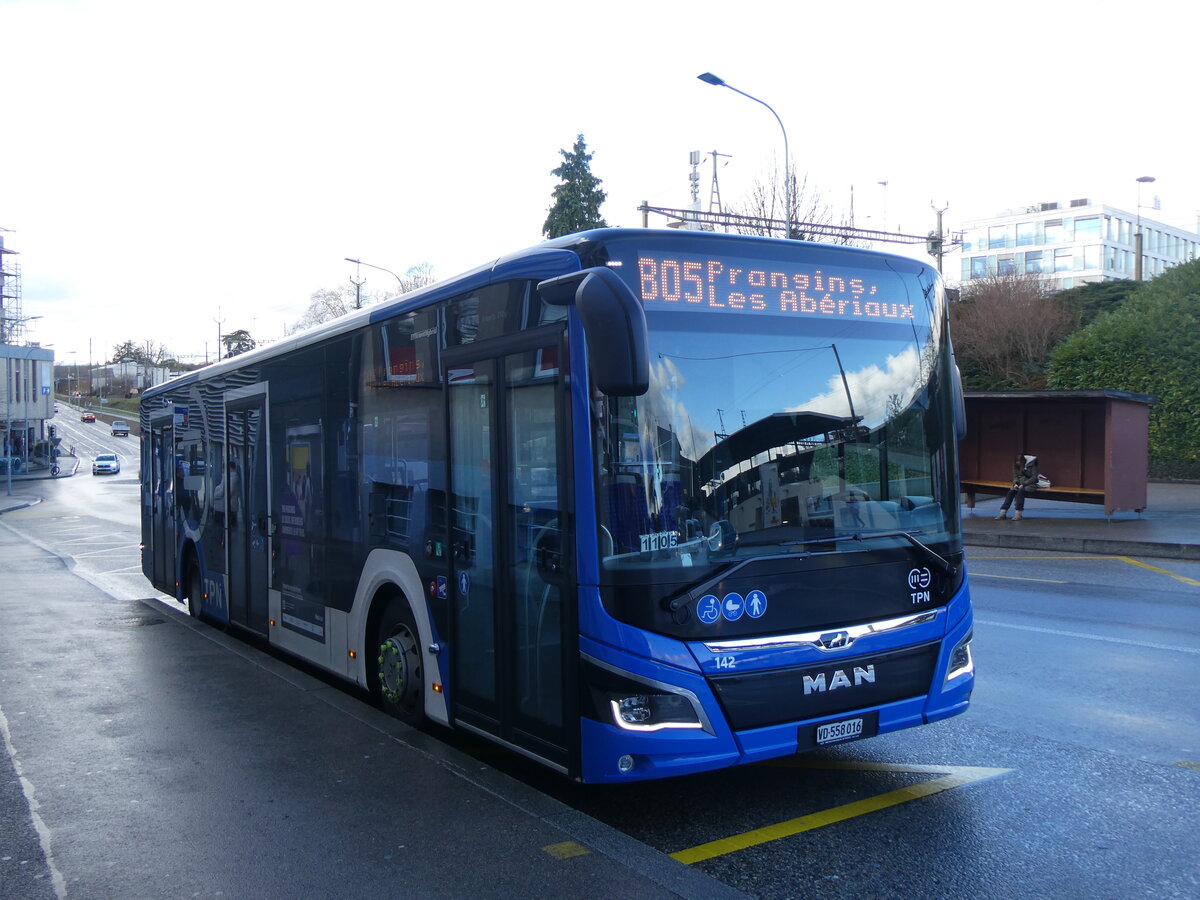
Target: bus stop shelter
(1092, 445)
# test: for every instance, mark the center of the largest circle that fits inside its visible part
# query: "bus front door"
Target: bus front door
(514, 623)
(247, 511)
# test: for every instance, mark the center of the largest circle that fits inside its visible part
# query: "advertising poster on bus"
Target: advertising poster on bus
(303, 610)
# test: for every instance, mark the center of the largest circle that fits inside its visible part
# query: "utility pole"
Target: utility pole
(219, 322)
(936, 242)
(714, 196)
(358, 292)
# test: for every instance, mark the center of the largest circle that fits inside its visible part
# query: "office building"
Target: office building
(1069, 244)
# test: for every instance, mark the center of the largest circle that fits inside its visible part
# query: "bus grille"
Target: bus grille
(759, 699)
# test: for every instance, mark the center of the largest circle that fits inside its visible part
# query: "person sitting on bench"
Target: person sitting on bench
(1024, 481)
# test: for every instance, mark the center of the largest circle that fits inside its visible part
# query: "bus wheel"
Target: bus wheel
(399, 670)
(195, 594)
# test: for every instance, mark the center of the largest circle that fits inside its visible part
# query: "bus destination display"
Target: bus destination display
(730, 284)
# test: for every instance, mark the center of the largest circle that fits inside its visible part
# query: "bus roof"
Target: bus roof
(558, 256)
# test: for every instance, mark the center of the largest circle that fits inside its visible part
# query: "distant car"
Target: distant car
(106, 464)
(88, 417)
(120, 429)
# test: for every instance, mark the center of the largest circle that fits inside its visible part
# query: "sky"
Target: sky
(174, 171)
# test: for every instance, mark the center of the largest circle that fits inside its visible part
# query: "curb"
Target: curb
(1095, 546)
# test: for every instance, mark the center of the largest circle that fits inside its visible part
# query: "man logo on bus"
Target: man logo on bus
(918, 584)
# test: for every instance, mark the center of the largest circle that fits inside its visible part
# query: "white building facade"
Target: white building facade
(26, 398)
(1069, 244)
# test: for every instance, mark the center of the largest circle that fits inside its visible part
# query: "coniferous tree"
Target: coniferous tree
(577, 200)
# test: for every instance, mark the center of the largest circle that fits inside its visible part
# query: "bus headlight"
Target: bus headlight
(638, 703)
(961, 661)
(654, 712)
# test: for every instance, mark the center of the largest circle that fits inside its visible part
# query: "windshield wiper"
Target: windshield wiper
(928, 552)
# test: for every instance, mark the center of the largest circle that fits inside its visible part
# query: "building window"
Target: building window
(1091, 256)
(1006, 265)
(999, 238)
(1033, 262)
(979, 267)
(1062, 259)
(1055, 233)
(1087, 229)
(1026, 234)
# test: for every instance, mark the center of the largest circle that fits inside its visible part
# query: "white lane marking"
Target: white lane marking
(43, 832)
(1149, 645)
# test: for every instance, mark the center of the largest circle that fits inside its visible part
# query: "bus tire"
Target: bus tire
(195, 591)
(399, 674)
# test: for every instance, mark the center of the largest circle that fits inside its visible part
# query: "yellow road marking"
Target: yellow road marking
(957, 776)
(1188, 764)
(566, 850)
(1124, 559)
(1134, 562)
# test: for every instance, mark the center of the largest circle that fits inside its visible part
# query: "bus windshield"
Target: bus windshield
(794, 405)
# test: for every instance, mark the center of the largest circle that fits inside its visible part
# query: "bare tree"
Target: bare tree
(768, 201)
(323, 306)
(417, 277)
(1004, 327)
(329, 303)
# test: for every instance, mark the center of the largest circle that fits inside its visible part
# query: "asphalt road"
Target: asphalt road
(1075, 774)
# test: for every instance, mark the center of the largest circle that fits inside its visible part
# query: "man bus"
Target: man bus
(632, 503)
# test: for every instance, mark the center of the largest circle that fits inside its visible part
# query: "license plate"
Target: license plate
(835, 732)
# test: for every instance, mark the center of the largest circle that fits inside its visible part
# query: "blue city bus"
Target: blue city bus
(632, 503)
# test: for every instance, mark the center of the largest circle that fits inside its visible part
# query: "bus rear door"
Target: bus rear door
(158, 474)
(247, 513)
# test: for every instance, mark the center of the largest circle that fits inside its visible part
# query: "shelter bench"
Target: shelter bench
(1054, 492)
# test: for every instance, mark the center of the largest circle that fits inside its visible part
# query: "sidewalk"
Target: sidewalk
(1169, 528)
(28, 496)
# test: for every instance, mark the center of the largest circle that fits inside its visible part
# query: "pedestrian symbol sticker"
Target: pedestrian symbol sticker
(464, 583)
(733, 606)
(708, 609)
(756, 604)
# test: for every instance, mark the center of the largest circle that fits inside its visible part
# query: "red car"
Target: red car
(88, 417)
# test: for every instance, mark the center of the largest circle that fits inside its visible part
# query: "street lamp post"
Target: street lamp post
(359, 262)
(710, 78)
(1137, 238)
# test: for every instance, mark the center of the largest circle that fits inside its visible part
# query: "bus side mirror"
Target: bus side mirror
(614, 325)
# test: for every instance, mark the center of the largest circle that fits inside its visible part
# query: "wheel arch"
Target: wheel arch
(390, 575)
